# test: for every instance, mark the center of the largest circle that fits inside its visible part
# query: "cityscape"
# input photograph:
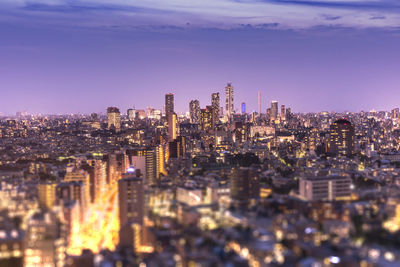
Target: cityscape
(212, 187)
(181, 133)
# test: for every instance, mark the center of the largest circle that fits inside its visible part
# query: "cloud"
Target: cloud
(295, 14)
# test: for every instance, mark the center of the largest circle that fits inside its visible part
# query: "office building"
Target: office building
(131, 113)
(229, 104)
(113, 119)
(274, 110)
(341, 139)
(215, 103)
(47, 194)
(172, 126)
(194, 110)
(169, 105)
(325, 188)
(283, 113)
(131, 207)
(245, 184)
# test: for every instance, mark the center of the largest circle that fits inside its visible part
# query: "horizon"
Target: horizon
(82, 56)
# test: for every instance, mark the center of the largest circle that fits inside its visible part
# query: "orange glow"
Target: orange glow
(100, 226)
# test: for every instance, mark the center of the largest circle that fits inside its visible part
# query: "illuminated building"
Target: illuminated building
(283, 113)
(160, 161)
(243, 108)
(288, 114)
(215, 103)
(79, 176)
(274, 110)
(97, 177)
(172, 129)
(11, 247)
(244, 184)
(395, 113)
(146, 160)
(312, 139)
(207, 118)
(169, 105)
(341, 138)
(131, 114)
(131, 207)
(113, 119)
(47, 194)
(177, 148)
(72, 191)
(229, 104)
(325, 188)
(194, 110)
(259, 103)
(45, 244)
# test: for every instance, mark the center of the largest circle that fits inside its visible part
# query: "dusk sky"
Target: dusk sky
(68, 56)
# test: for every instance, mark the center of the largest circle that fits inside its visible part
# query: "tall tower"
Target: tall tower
(259, 103)
(169, 105)
(215, 103)
(131, 207)
(283, 113)
(243, 108)
(274, 110)
(229, 100)
(114, 118)
(194, 110)
(172, 120)
(341, 139)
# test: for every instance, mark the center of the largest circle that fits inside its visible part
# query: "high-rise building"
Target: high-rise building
(150, 161)
(114, 119)
(194, 110)
(131, 207)
(259, 103)
(244, 184)
(229, 104)
(207, 120)
(341, 140)
(169, 105)
(131, 114)
(215, 103)
(243, 108)
(177, 148)
(172, 127)
(283, 113)
(274, 110)
(395, 113)
(47, 194)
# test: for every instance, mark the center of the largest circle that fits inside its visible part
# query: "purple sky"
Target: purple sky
(60, 56)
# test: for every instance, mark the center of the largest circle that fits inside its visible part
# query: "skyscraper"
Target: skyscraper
(244, 184)
(131, 206)
(259, 103)
(283, 113)
(229, 100)
(169, 105)
(341, 138)
(172, 121)
(215, 103)
(131, 114)
(194, 110)
(207, 118)
(243, 108)
(274, 110)
(114, 118)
